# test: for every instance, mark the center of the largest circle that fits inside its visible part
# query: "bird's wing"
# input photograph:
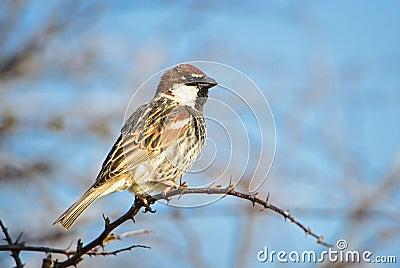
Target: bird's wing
(147, 133)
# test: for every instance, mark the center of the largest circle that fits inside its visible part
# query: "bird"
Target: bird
(158, 143)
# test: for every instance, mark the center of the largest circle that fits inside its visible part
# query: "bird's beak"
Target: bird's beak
(206, 82)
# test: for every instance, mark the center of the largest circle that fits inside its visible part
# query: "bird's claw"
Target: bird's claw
(149, 209)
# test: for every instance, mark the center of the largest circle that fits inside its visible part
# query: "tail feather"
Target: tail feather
(68, 218)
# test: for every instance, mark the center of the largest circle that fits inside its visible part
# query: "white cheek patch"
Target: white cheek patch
(185, 94)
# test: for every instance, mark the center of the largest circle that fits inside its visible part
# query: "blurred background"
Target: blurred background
(329, 70)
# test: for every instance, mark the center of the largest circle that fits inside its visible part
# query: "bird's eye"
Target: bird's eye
(189, 80)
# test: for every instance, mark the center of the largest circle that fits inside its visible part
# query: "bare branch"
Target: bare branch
(93, 252)
(93, 247)
(98, 241)
(115, 252)
(254, 199)
(22, 247)
(14, 252)
(113, 237)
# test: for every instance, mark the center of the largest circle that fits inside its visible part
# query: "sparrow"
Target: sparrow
(158, 143)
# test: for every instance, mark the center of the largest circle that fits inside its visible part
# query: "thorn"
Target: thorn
(258, 197)
(267, 204)
(18, 238)
(286, 214)
(212, 183)
(230, 188)
(255, 196)
(106, 221)
(48, 261)
(79, 245)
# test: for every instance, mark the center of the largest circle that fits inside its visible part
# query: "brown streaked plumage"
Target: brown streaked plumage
(158, 143)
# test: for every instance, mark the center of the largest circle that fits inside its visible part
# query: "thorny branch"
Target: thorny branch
(14, 252)
(93, 247)
(254, 199)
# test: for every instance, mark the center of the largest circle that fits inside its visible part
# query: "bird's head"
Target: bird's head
(187, 85)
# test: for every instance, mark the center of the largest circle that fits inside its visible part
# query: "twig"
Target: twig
(113, 237)
(22, 247)
(14, 252)
(93, 252)
(115, 252)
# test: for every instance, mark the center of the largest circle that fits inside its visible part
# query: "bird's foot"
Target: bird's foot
(145, 201)
(171, 185)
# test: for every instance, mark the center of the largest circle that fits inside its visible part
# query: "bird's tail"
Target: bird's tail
(68, 218)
